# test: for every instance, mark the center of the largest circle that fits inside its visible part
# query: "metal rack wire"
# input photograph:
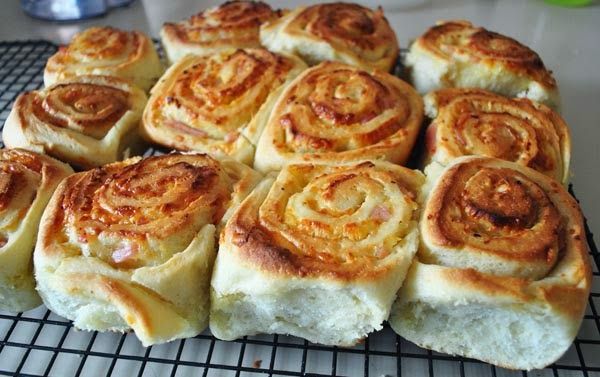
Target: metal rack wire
(39, 343)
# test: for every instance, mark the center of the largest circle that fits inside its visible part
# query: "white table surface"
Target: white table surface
(567, 39)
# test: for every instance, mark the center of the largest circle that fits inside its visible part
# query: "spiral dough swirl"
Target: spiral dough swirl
(140, 212)
(337, 112)
(495, 217)
(106, 51)
(207, 103)
(477, 122)
(345, 220)
(87, 108)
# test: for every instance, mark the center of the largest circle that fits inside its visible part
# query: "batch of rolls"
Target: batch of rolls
(287, 208)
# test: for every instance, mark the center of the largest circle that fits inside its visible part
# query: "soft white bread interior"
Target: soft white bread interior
(438, 311)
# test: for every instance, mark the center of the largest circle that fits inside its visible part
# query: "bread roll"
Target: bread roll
(27, 180)
(233, 24)
(208, 104)
(106, 51)
(87, 121)
(343, 32)
(503, 273)
(459, 54)
(131, 245)
(478, 122)
(319, 252)
(337, 113)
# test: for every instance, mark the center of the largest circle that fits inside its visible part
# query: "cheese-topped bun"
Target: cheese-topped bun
(503, 273)
(319, 252)
(478, 122)
(106, 51)
(131, 245)
(459, 54)
(338, 113)
(233, 24)
(27, 181)
(343, 32)
(208, 104)
(87, 121)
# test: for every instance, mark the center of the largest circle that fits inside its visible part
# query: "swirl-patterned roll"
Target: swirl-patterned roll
(233, 24)
(459, 54)
(209, 104)
(27, 181)
(131, 245)
(109, 52)
(337, 113)
(503, 253)
(87, 121)
(319, 252)
(343, 32)
(478, 122)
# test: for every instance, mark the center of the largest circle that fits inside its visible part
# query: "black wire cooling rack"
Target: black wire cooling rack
(39, 343)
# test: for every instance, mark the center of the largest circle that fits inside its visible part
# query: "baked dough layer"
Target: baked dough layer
(209, 104)
(344, 32)
(334, 112)
(502, 273)
(231, 25)
(87, 121)
(459, 54)
(467, 121)
(131, 245)
(319, 252)
(27, 181)
(106, 51)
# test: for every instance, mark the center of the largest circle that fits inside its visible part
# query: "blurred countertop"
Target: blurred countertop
(567, 39)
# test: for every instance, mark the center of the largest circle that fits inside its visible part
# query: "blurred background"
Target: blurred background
(567, 39)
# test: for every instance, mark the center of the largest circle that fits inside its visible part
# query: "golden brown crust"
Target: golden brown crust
(93, 109)
(86, 107)
(450, 39)
(87, 120)
(207, 103)
(27, 180)
(345, 222)
(354, 33)
(501, 219)
(233, 24)
(137, 239)
(106, 51)
(101, 44)
(335, 112)
(476, 122)
(128, 213)
(22, 175)
(502, 253)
